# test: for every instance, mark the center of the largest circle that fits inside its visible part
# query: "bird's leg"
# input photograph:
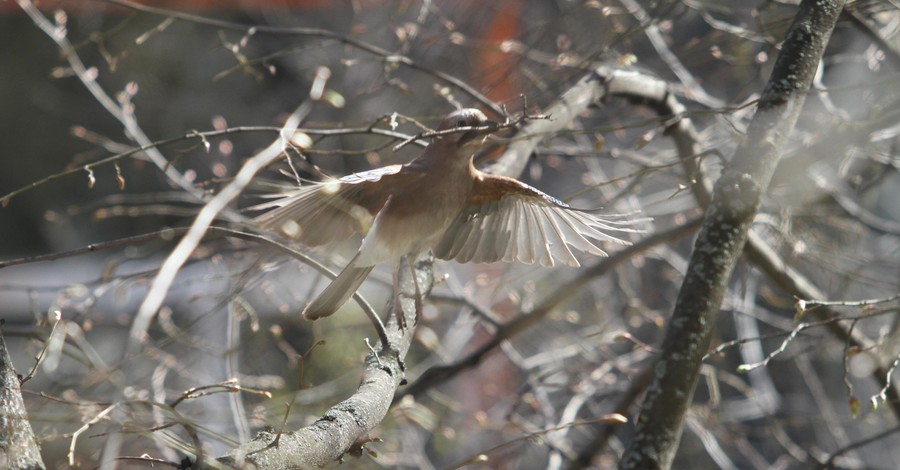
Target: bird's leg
(398, 305)
(411, 262)
(398, 291)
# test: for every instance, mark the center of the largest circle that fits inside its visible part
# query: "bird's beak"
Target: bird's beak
(484, 129)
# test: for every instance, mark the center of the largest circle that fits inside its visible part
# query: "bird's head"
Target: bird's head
(472, 124)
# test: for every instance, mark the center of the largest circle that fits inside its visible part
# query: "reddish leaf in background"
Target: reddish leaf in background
(494, 66)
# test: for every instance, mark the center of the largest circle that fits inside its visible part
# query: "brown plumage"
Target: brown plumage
(438, 202)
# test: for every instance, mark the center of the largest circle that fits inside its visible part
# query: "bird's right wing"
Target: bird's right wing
(332, 210)
(507, 220)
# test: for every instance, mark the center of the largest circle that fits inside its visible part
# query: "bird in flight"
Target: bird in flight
(438, 202)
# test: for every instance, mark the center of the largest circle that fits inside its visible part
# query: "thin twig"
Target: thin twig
(696, 91)
(386, 55)
(881, 396)
(440, 374)
(484, 455)
(202, 136)
(856, 445)
(805, 304)
(96, 419)
(784, 344)
(160, 286)
(508, 124)
(228, 386)
(122, 111)
(43, 352)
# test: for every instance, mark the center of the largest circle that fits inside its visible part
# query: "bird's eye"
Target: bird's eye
(461, 123)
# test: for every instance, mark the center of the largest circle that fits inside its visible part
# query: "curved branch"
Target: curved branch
(659, 44)
(346, 427)
(574, 101)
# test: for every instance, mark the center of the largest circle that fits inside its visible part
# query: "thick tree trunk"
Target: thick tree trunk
(721, 240)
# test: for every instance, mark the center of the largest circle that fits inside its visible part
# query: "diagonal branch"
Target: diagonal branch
(166, 276)
(734, 204)
(440, 374)
(346, 427)
(122, 112)
(655, 93)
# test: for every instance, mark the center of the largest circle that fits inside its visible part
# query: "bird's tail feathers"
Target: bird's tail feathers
(338, 292)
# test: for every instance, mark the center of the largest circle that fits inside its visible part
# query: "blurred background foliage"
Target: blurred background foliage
(832, 213)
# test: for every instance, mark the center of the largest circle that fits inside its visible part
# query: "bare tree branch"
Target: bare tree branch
(440, 374)
(695, 91)
(203, 136)
(346, 427)
(201, 224)
(655, 93)
(725, 230)
(122, 111)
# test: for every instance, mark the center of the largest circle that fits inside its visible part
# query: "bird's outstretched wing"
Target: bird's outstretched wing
(507, 220)
(332, 210)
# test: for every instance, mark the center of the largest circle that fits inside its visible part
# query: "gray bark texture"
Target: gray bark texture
(723, 235)
(18, 447)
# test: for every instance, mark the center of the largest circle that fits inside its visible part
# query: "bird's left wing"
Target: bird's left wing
(507, 220)
(333, 210)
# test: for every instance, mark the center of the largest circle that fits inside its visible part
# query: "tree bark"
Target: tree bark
(18, 447)
(723, 235)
